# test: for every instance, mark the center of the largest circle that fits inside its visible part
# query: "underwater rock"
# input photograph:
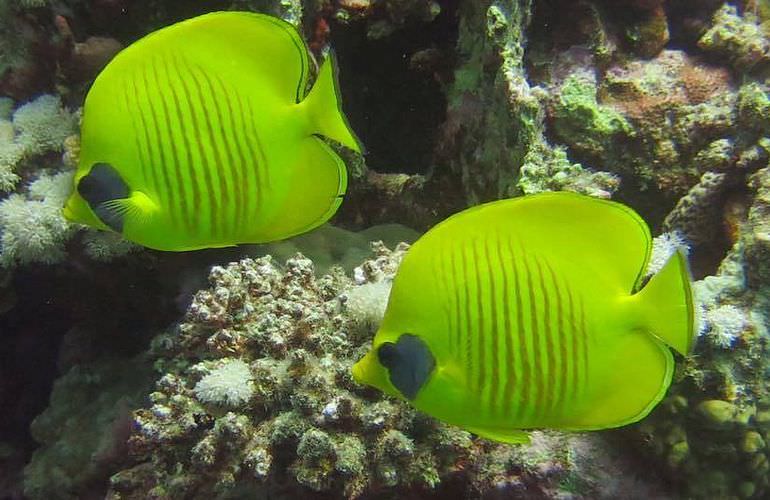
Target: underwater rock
(646, 120)
(649, 34)
(739, 39)
(84, 430)
(385, 17)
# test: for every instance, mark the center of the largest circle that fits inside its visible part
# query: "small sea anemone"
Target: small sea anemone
(726, 324)
(663, 247)
(230, 384)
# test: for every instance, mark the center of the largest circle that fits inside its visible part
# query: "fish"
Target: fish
(530, 313)
(202, 134)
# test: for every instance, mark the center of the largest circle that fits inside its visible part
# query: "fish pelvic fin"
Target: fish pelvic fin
(324, 106)
(510, 436)
(667, 304)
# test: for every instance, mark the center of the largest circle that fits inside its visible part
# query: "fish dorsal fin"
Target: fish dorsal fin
(238, 46)
(577, 233)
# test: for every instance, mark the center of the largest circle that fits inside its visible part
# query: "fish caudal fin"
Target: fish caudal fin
(668, 305)
(325, 108)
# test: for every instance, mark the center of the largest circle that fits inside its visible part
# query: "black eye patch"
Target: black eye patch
(102, 184)
(409, 363)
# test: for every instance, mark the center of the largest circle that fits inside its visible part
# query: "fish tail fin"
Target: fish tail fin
(668, 304)
(325, 107)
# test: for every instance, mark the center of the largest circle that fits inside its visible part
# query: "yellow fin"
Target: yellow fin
(599, 239)
(511, 436)
(668, 306)
(316, 189)
(324, 106)
(136, 209)
(637, 372)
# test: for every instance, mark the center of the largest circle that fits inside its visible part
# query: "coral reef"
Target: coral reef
(663, 105)
(255, 390)
(711, 430)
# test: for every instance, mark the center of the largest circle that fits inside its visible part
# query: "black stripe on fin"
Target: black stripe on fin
(409, 363)
(102, 185)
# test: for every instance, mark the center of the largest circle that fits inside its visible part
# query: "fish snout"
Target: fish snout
(361, 368)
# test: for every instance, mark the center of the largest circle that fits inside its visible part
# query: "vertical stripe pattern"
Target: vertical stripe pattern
(516, 326)
(199, 147)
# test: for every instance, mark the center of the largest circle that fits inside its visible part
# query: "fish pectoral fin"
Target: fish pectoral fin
(510, 436)
(137, 208)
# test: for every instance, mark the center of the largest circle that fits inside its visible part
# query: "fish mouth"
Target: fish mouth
(358, 371)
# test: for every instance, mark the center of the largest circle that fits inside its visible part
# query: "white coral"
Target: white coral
(230, 384)
(43, 124)
(663, 247)
(32, 228)
(37, 127)
(726, 323)
(106, 246)
(366, 303)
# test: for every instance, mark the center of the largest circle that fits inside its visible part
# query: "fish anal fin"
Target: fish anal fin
(636, 373)
(510, 436)
(316, 185)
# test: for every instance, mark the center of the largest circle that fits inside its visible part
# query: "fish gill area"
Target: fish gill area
(127, 373)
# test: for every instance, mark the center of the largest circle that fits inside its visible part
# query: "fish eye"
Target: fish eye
(387, 354)
(409, 363)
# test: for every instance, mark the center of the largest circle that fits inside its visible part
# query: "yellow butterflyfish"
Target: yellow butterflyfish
(202, 134)
(533, 313)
